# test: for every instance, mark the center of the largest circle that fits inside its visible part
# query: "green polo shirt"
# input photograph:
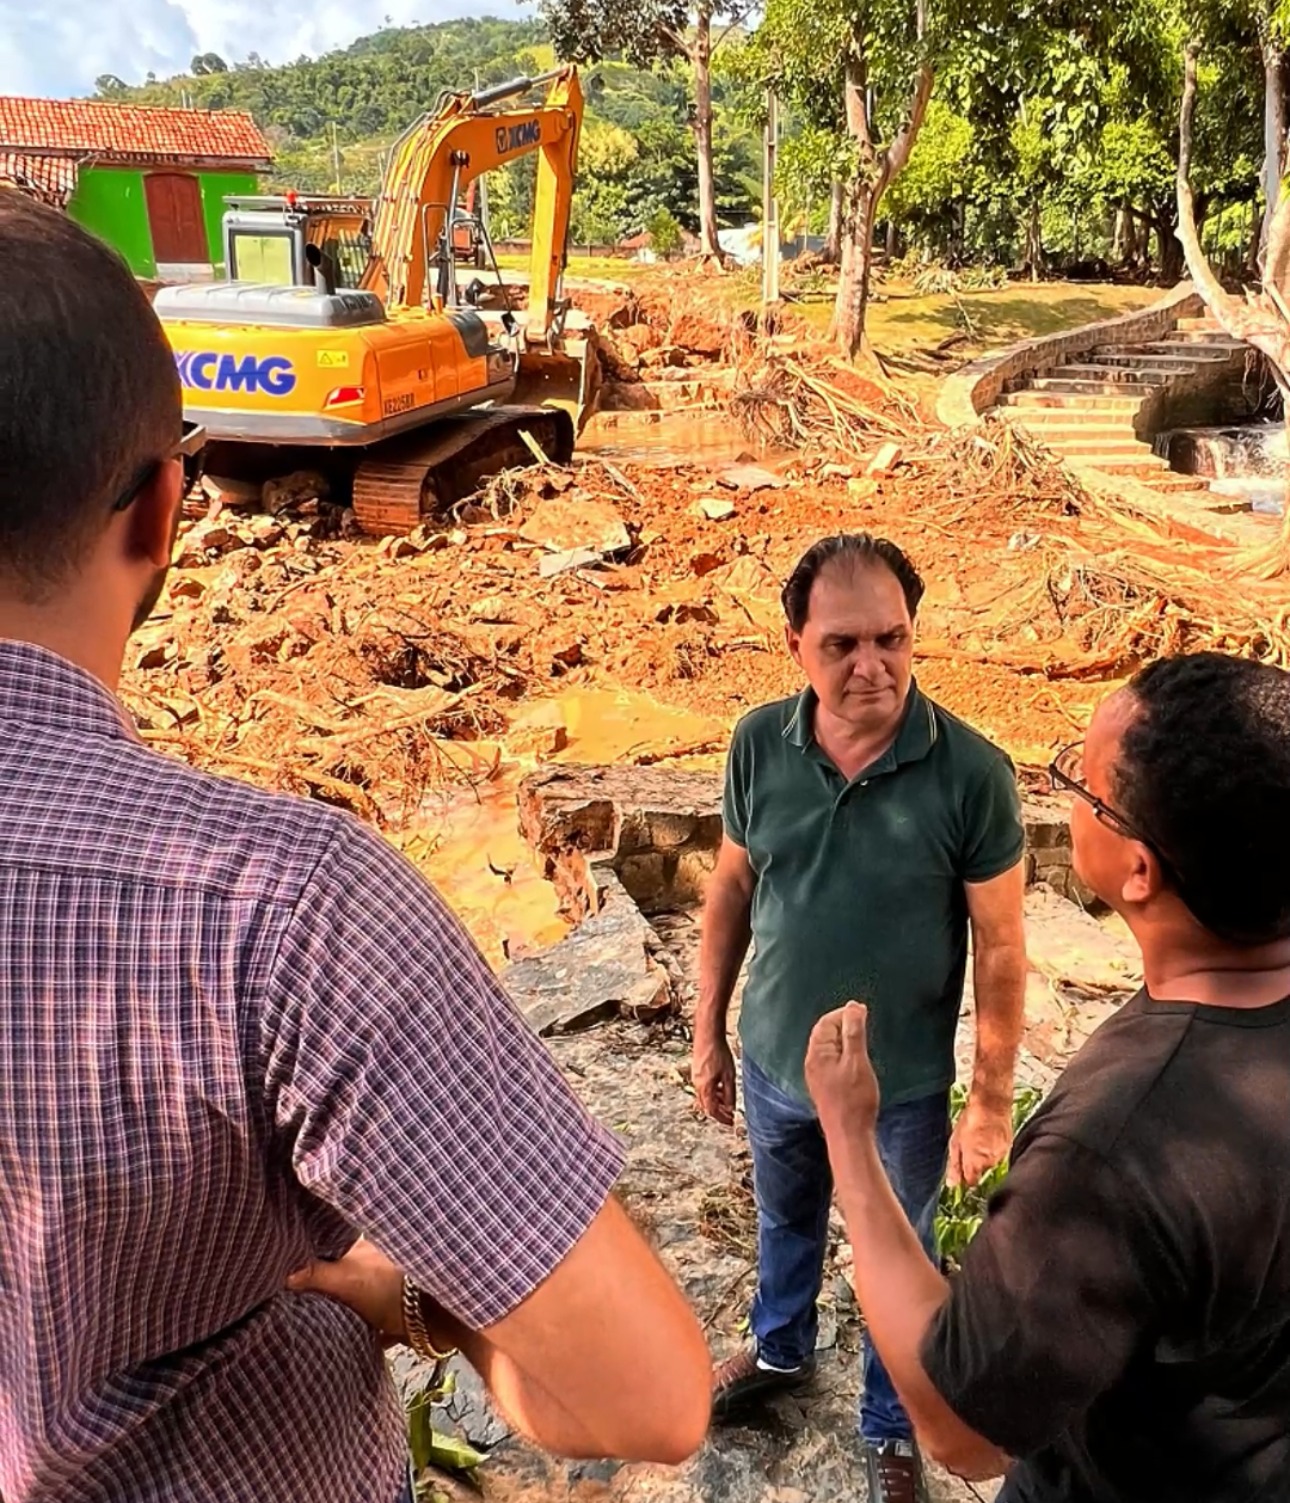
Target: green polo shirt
(860, 884)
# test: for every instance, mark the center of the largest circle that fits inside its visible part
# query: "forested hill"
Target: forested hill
(638, 150)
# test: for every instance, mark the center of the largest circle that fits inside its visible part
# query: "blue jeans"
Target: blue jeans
(794, 1187)
(407, 1495)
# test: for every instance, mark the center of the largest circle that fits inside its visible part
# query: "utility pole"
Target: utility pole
(770, 209)
(335, 156)
(482, 181)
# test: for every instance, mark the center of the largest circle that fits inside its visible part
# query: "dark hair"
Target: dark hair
(1204, 774)
(89, 393)
(849, 548)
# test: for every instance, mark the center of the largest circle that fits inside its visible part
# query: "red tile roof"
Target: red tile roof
(94, 128)
(52, 179)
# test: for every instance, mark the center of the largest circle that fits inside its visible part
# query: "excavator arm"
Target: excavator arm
(435, 159)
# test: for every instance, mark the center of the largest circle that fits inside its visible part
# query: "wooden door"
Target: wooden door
(175, 215)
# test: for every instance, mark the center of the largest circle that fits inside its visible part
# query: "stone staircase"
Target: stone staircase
(1091, 411)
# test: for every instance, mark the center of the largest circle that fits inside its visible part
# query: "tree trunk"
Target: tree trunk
(1274, 129)
(1123, 238)
(1034, 256)
(833, 240)
(878, 166)
(1172, 259)
(857, 262)
(701, 57)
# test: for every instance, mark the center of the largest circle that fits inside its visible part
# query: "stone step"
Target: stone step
(1051, 426)
(1135, 375)
(1172, 481)
(1176, 364)
(1081, 444)
(1140, 463)
(1217, 337)
(1073, 401)
(1084, 385)
(1165, 350)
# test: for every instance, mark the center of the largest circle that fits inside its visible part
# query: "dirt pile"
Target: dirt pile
(293, 652)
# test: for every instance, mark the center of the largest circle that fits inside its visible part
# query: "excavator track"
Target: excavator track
(407, 478)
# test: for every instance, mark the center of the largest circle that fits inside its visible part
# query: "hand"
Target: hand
(981, 1139)
(839, 1075)
(365, 1280)
(712, 1073)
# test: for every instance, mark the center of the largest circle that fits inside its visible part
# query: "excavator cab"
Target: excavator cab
(297, 240)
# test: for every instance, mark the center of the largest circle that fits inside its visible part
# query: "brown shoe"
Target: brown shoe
(739, 1383)
(894, 1471)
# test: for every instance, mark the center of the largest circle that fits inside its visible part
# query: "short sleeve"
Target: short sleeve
(734, 798)
(414, 1099)
(994, 837)
(1056, 1292)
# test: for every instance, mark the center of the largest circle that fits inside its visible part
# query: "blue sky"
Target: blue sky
(59, 47)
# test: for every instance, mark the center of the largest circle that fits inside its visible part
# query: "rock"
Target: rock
(205, 541)
(185, 587)
(156, 656)
(292, 490)
(265, 532)
(1048, 850)
(860, 489)
(656, 828)
(884, 461)
(751, 477)
(836, 472)
(551, 564)
(224, 490)
(564, 524)
(716, 509)
(607, 966)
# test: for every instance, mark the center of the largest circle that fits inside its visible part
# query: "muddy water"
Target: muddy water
(707, 438)
(468, 842)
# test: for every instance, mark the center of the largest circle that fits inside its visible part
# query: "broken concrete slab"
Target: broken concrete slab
(565, 524)
(751, 477)
(1048, 850)
(884, 461)
(656, 828)
(659, 830)
(716, 508)
(551, 564)
(609, 966)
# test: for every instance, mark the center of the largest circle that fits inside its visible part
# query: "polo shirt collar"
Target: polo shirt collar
(917, 734)
(38, 687)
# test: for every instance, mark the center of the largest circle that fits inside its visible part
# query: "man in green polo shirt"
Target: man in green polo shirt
(865, 830)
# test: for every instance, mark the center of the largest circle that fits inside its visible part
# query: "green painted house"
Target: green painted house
(151, 182)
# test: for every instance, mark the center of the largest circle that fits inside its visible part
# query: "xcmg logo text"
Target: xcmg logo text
(511, 138)
(205, 370)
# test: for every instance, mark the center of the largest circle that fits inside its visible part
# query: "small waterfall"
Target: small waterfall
(1247, 461)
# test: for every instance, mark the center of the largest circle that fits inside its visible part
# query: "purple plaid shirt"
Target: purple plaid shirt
(234, 1028)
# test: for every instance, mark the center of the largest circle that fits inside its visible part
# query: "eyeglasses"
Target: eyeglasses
(1066, 771)
(191, 450)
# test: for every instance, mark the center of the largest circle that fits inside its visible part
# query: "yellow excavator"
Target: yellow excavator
(345, 333)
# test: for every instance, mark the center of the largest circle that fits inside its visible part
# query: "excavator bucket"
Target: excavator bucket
(565, 376)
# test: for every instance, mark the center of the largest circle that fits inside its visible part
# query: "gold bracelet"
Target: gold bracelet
(418, 1338)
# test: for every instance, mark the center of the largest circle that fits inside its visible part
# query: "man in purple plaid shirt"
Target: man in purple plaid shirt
(236, 1031)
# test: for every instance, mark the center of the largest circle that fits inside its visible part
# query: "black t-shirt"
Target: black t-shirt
(1121, 1323)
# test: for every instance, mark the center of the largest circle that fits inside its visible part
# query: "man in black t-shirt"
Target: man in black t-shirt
(1120, 1329)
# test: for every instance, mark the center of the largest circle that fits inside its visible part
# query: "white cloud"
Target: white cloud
(59, 47)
